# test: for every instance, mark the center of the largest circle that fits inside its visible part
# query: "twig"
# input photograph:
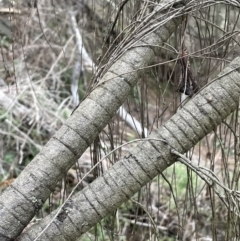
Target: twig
(203, 172)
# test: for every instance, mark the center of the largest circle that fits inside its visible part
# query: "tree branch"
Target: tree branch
(197, 118)
(20, 202)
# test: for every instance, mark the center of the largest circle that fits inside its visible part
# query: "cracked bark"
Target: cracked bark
(20, 202)
(202, 114)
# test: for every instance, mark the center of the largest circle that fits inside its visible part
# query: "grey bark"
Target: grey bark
(197, 118)
(20, 202)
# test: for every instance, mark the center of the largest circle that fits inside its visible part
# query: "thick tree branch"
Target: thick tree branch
(197, 118)
(20, 202)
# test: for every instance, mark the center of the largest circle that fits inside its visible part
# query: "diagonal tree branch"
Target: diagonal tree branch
(197, 118)
(20, 202)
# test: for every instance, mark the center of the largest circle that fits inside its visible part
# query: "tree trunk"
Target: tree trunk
(20, 202)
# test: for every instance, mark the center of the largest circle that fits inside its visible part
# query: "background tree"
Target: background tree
(129, 45)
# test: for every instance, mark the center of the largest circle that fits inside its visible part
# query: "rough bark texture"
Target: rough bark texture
(198, 117)
(20, 202)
